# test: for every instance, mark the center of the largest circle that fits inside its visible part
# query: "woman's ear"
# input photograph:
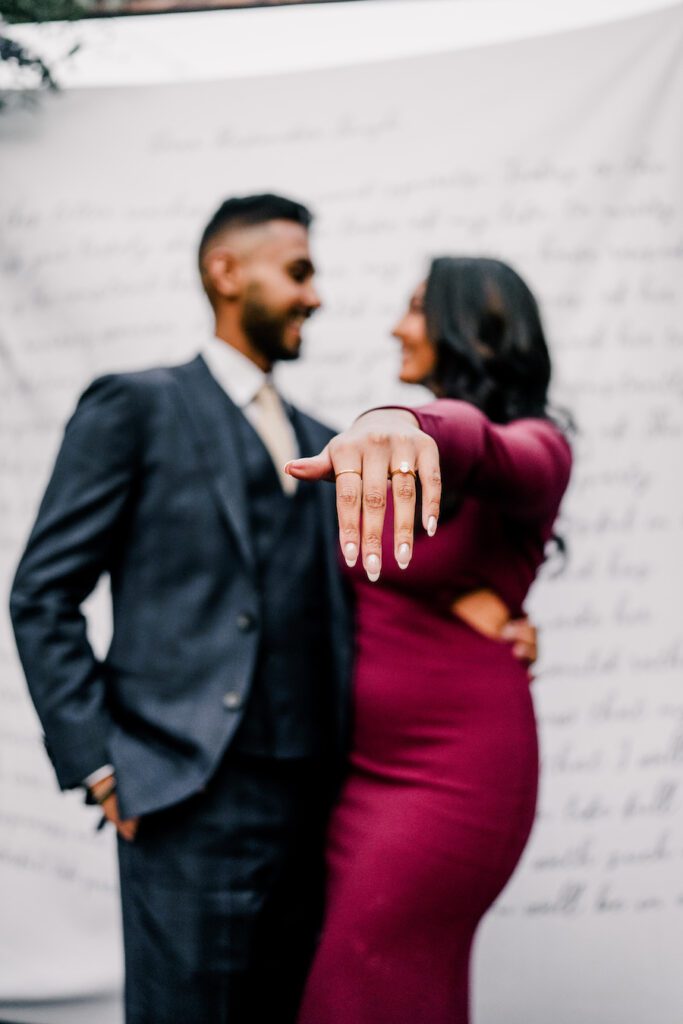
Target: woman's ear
(222, 272)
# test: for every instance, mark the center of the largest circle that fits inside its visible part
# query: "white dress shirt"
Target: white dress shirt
(241, 380)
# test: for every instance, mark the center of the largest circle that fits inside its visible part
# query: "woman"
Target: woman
(441, 793)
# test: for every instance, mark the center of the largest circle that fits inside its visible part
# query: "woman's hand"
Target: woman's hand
(524, 639)
(380, 445)
(485, 612)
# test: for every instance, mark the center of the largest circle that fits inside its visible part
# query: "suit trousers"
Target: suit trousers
(222, 897)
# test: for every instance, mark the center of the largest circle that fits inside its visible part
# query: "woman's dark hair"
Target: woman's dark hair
(491, 349)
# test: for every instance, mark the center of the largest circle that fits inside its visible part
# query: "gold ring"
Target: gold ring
(356, 472)
(404, 469)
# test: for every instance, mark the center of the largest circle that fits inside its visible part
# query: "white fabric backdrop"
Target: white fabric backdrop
(562, 155)
(226, 44)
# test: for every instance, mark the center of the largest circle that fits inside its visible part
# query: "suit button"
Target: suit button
(232, 700)
(245, 622)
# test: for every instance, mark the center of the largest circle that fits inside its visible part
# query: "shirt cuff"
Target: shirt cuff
(98, 775)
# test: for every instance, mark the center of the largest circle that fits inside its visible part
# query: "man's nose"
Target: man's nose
(312, 299)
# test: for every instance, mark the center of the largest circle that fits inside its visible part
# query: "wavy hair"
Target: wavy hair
(491, 347)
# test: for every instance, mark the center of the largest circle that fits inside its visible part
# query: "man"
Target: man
(213, 731)
(221, 702)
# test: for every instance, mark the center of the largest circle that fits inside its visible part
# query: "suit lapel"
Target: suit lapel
(313, 438)
(212, 418)
(311, 441)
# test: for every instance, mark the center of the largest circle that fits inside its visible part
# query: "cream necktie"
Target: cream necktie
(273, 427)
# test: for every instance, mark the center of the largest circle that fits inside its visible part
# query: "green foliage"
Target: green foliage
(28, 74)
(17, 11)
(19, 60)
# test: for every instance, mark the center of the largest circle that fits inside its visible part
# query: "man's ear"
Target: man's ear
(222, 272)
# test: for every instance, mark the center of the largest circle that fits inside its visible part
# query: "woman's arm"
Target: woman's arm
(523, 465)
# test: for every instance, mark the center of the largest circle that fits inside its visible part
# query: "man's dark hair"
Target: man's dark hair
(246, 211)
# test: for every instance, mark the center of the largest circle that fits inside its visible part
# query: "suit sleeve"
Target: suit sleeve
(523, 465)
(70, 547)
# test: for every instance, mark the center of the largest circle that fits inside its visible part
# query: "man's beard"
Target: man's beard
(266, 329)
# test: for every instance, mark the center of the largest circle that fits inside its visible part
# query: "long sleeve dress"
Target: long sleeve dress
(441, 791)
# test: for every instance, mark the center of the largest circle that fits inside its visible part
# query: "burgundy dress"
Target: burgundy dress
(441, 792)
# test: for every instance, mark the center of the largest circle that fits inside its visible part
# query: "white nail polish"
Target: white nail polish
(431, 526)
(350, 554)
(372, 567)
(403, 556)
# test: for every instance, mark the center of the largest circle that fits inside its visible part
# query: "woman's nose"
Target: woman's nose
(398, 330)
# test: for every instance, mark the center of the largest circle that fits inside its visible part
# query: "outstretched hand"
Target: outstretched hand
(380, 445)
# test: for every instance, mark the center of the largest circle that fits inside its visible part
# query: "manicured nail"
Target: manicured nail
(372, 567)
(403, 556)
(507, 632)
(351, 554)
(431, 526)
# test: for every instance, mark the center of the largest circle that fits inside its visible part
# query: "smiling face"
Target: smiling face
(418, 353)
(260, 282)
(279, 294)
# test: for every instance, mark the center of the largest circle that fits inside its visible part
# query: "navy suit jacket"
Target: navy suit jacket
(148, 487)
